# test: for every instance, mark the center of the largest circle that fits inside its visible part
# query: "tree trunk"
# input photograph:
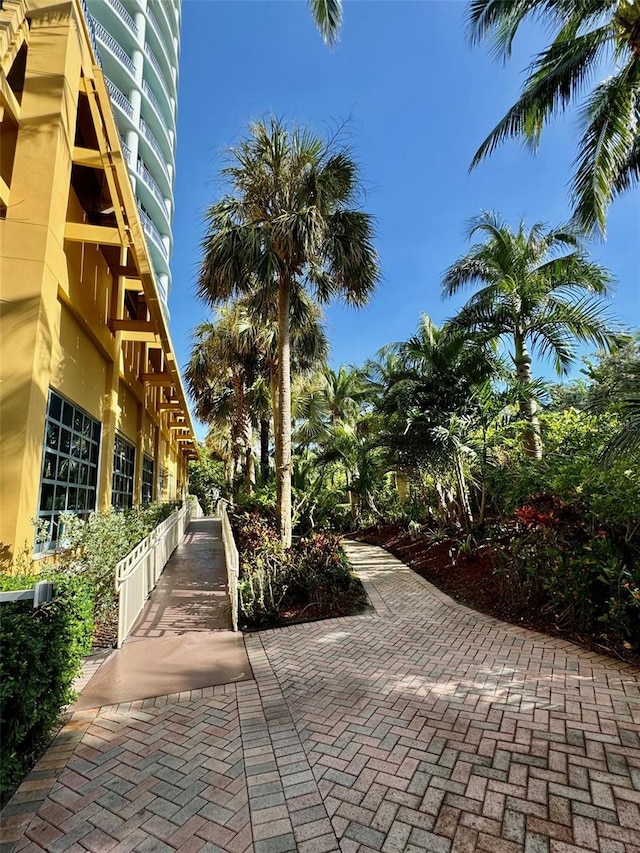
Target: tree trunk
(264, 449)
(402, 486)
(283, 469)
(463, 494)
(532, 442)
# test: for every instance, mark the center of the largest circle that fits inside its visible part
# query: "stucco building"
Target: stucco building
(93, 412)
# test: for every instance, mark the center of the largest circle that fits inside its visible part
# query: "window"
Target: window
(69, 465)
(161, 482)
(147, 480)
(124, 457)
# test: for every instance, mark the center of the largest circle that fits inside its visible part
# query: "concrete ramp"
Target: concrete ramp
(183, 638)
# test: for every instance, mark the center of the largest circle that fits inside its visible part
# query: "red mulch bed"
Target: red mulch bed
(472, 581)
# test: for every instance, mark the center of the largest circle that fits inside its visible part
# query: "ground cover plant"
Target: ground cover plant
(278, 585)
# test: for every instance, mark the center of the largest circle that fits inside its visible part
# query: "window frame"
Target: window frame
(74, 430)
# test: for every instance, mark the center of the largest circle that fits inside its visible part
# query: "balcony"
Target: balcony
(162, 124)
(151, 230)
(113, 47)
(126, 151)
(155, 147)
(164, 84)
(124, 16)
(169, 19)
(119, 99)
(149, 180)
(167, 53)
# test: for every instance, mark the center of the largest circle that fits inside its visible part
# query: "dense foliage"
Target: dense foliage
(207, 481)
(40, 654)
(92, 548)
(311, 578)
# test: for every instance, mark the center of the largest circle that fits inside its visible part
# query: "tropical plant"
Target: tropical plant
(538, 292)
(589, 37)
(289, 220)
(224, 364)
(327, 15)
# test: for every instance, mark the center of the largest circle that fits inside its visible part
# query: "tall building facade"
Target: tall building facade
(138, 42)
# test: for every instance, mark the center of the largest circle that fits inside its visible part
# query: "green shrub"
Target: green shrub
(554, 560)
(92, 548)
(207, 481)
(40, 654)
(315, 572)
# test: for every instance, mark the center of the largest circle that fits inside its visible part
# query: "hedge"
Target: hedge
(40, 655)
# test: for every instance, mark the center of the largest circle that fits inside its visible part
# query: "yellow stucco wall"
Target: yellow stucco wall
(58, 295)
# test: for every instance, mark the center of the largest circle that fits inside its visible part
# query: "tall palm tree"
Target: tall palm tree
(587, 35)
(538, 292)
(290, 219)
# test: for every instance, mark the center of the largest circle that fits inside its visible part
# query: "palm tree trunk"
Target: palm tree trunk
(273, 387)
(283, 470)
(264, 449)
(532, 441)
(463, 493)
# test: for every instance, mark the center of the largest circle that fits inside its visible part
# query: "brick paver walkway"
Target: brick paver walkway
(422, 727)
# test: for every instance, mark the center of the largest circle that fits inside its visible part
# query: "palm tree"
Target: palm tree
(289, 220)
(587, 34)
(538, 291)
(225, 363)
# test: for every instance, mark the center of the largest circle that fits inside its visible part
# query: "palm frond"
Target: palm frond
(607, 145)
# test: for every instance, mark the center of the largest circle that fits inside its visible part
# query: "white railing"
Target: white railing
(111, 44)
(155, 26)
(152, 231)
(150, 181)
(153, 142)
(126, 151)
(231, 558)
(146, 88)
(159, 72)
(137, 574)
(119, 98)
(124, 16)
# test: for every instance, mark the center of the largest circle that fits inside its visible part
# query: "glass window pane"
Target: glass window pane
(77, 421)
(67, 414)
(55, 406)
(60, 498)
(65, 441)
(46, 497)
(49, 467)
(52, 435)
(63, 469)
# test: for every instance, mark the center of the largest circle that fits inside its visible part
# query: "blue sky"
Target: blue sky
(420, 101)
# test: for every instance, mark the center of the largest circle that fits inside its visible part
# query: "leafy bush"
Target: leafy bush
(555, 560)
(92, 548)
(207, 481)
(313, 573)
(40, 654)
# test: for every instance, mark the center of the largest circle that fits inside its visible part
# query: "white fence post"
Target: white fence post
(231, 558)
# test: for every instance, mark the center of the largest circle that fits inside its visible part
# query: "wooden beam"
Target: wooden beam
(134, 330)
(4, 193)
(87, 157)
(127, 271)
(170, 407)
(10, 100)
(164, 379)
(82, 232)
(133, 284)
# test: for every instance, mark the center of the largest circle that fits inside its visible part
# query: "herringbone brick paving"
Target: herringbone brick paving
(425, 727)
